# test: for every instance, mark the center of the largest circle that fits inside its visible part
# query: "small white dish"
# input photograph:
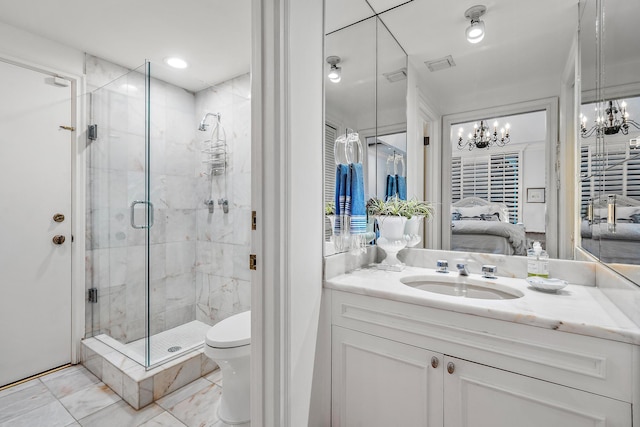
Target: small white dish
(547, 285)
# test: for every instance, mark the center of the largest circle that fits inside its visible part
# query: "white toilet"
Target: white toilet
(228, 343)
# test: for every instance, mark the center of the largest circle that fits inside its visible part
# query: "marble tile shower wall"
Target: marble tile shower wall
(116, 176)
(199, 261)
(223, 278)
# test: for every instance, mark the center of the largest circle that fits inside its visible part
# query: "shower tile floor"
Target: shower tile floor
(186, 337)
(75, 397)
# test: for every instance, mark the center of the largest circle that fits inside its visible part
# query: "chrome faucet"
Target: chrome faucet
(443, 266)
(462, 269)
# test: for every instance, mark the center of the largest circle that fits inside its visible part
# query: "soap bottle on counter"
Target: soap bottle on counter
(537, 261)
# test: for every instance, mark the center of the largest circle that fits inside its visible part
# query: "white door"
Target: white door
(35, 185)
(479, 396)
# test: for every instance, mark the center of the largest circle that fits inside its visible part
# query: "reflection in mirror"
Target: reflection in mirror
(613, 168)
(610, 113)
(365, 101)
(498, 192)
(388, 154)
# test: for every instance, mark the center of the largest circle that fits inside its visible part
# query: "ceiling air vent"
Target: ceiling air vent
(396, 76)
(441, 63)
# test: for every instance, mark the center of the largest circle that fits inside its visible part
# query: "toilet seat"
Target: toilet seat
(234, 331)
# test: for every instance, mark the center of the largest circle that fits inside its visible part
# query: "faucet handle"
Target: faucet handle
(489, 271)
(443, 266)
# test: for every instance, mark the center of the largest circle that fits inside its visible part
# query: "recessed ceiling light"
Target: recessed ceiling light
(176, 62)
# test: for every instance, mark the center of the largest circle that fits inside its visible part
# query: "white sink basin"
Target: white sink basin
(466, 288)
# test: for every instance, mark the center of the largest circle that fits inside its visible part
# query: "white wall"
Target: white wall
(533, 171)
(287, 140)
(37, 50)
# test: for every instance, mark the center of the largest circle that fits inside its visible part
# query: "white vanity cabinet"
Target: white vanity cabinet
(398, 364)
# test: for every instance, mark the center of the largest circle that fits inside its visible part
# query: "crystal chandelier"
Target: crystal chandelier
(616, 119)
(482, 137)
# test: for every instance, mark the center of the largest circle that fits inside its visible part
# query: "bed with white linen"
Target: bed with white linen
(619, 244)
(481, 226)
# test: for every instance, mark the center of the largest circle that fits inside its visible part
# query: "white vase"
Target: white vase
(391, 240)
(411, 229)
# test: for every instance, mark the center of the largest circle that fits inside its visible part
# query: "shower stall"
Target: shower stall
(168, 209)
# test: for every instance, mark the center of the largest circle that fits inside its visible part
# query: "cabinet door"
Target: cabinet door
(479, 396)
(379, 382)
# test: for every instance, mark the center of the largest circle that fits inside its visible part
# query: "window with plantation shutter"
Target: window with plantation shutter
(505, 183)
(456, 189)
(633, 175)
(330, 135)
(615, 172)
(586, 184)
(494, 178)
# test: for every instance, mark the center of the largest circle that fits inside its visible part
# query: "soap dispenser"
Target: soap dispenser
(537, 261)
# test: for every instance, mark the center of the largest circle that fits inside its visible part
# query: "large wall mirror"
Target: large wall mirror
(365, 103)
(610, 131)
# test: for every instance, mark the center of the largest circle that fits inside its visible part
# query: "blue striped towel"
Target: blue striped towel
(401, 182)
(391, 187)
(342, 196)
(358, 206)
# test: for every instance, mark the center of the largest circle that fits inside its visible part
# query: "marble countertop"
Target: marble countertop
(575, 309)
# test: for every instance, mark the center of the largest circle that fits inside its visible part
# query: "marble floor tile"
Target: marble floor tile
(223, 424)
(183, 393)
(50, 415)
(89, 400)
(121, 414)
(165, 419)
(16, 388)
(24, 400)
(82, 400)
(201, 409)
(215, 377)
(69, 380)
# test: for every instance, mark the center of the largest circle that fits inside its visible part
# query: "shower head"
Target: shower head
(203, 126)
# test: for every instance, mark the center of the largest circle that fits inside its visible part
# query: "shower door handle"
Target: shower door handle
(133, 219)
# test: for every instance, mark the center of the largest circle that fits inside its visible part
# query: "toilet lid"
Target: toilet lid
(234, 331)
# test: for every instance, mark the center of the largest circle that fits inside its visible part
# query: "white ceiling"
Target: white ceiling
(213, 36)
(521, 57)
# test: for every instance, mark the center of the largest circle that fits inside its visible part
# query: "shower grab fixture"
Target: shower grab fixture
(225, 205)
(210, 204)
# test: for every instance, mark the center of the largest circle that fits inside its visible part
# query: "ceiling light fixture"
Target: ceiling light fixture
(482, 137)
(475, 31)
(176, 62)
(335, 72)
(615, 119)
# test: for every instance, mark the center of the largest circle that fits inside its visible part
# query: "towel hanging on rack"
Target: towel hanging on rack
(392, 188)
(401, 184)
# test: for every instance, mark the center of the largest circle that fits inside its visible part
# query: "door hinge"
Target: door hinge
(92, 132)
(93, 295)
(252, 262)
(254, 221)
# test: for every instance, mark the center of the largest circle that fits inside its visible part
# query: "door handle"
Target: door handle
(133, 220)
(58, 239)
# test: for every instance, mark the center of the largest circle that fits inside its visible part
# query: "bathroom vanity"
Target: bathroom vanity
(403, 356)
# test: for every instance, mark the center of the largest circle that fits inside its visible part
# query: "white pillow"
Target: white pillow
(473, 211)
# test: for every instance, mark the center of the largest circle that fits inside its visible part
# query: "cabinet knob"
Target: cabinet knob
(58, 239)
(435, 362)
(451, 367)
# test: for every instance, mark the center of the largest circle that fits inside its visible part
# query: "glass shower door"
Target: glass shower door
(120, 214)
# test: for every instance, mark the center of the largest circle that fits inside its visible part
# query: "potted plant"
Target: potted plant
(416, 211)
(392, 216)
